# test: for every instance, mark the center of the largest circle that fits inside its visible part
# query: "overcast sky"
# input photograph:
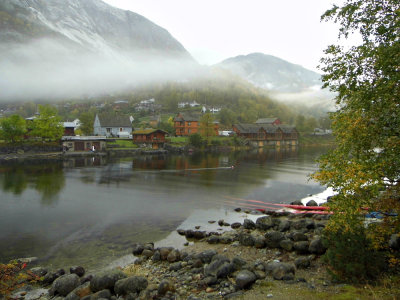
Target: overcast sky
(213, 30)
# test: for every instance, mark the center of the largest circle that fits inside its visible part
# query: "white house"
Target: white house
(112, 126)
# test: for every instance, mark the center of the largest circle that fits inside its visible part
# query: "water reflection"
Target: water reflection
(92, 209)
(47, 179)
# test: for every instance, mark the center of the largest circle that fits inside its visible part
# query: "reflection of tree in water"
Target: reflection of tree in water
(48, 179)
(49, 184)
(14, 181)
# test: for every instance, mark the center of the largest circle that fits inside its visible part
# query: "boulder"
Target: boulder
(103, 294)
(164, 287)
(137, 249)
(280, 270)
(249, 224)
(147, 253)
(302, 262)
(246, 239)
(214, 239)
(312, 203)
(133, 284)
(189, 234)
(174, 256)
(39, 271)
(259, 241)
(225, 270)
(106, 280)
(286, 245)
(245, 279)
(64, 285)
(235, 225)
(206, 256)
(264, 223)
(301, 247)
(164, 251)
(273, 238)
(238, 262)
(156, 256)
(283, 271)
(78, 270)
(296, 202)
(298, 236)
(199, 235)
(284, 225)
(316, 246)
(51, 276)
(175, 266)
(213, 268)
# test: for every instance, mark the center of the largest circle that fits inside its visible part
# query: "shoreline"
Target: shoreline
(275, 255)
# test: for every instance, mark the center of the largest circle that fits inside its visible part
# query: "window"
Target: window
(189, 123)
(108, 130)
(120, 129)
(188, 130)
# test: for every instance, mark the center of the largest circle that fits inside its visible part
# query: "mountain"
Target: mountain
(56, 49)
(272, 73)
(88, 24)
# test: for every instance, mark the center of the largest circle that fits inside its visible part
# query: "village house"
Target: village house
(112, 126)
(84, 143)
(267, 134)
(271, 121)
(186, 124)
(155, 138)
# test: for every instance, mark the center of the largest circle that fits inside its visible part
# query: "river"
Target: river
(89, 211)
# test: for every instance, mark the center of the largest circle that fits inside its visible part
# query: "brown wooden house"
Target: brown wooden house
(153, 137)
(187, 124)
(267, 134)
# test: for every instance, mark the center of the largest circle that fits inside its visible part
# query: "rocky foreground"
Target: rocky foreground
(218, 265)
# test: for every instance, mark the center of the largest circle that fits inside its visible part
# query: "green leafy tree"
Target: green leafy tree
(207, 126)
(13, 128)
(87, 120)
(364, 168)
(48, 124)
(196, 140)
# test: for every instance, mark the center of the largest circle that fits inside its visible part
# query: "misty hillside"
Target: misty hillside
(272, 73)
(89, 24)
(55, 49)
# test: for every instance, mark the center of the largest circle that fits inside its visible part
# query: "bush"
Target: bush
(351, 257)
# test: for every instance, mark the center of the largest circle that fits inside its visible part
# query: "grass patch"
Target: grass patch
(121, 143)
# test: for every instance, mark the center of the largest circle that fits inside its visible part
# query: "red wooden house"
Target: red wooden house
(152, 137)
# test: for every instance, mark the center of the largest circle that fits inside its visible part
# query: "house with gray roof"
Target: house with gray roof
(272, 121)
(265, 134)
(112, 125)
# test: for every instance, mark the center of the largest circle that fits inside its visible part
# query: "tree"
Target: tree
(207, 126)
(13, 128)
(364, 168)
(48, 124)
(86, 123)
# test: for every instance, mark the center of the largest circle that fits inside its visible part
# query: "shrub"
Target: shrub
(350, 255)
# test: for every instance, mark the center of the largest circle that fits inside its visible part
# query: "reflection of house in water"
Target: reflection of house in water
(150, 163)
(84, 143)
(78, 162)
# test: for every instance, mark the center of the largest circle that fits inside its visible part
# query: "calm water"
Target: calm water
(90, 211)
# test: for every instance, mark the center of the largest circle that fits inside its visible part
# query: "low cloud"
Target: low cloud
(47, 70)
